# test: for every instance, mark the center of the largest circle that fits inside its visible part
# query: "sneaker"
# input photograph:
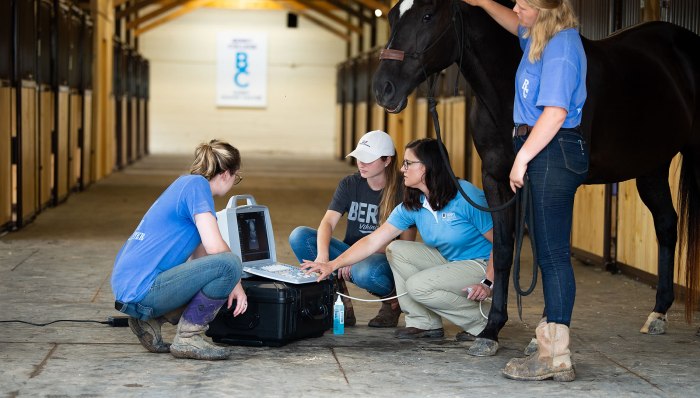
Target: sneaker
(465, 336)
(415, 333)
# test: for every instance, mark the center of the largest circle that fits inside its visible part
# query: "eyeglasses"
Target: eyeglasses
(237, 178)
(407, 163)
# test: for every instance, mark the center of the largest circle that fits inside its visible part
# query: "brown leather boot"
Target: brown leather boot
(552, 359)
(350, 319)
(388, 316)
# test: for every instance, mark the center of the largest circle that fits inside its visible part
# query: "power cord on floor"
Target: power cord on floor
(397, 296)
(114, 321)
(370, 300)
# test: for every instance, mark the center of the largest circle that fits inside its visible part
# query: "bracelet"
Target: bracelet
(486, 282)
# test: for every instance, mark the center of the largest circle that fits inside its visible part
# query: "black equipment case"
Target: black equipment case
(277, 314)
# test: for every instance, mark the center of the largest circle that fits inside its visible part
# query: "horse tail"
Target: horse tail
(689, 229)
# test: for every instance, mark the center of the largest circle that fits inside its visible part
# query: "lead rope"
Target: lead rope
(523, 200)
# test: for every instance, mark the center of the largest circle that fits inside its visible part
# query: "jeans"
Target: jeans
(215, 275)
(372, 274)
(555, 174)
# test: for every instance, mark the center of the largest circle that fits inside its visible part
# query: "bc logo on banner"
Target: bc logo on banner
(241, 78)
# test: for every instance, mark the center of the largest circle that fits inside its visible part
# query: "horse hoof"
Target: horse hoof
(483, 348)
(656, 323)
(531, 347)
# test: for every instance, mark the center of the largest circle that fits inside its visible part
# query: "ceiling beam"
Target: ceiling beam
(375, 5)
(167, 7)
(247, 4)
(187, 8)
(355, 13)
(117, 3)
(329, 15)
(134, 7)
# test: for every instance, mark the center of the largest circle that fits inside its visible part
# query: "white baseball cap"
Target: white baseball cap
(372, 146)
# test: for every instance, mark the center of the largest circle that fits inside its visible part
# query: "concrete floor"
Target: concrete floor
(59, 268)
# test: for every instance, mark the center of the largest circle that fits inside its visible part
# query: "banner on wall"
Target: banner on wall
(241, 79)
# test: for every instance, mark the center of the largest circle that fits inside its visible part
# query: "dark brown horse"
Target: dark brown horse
(643, 108)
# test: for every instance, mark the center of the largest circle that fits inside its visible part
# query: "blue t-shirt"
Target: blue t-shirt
(165, 237)
(457, 231)
(558, 78)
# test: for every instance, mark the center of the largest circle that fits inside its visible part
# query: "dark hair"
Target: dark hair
(214, 158)
(437, 177)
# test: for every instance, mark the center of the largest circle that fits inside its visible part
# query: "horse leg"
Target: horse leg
(486, 344)
(655, 192)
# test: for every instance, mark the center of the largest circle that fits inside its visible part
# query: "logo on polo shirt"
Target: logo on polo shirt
(525, 88)
(449, 216)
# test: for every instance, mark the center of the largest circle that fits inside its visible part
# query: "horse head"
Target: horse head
(423, 41)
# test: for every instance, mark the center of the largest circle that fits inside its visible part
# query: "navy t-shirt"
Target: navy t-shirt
(354, 197)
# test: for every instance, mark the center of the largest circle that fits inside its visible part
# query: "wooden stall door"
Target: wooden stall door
(7, 112)
(61, 151)
(142, 127)
(123, 131)
(75, 125)
(134, 128)
(455, 109)
(87, 163)
(349, 138)
(588, 228)
(339, 130)
(361, 114)
(28, 194)
(378, 118)
(637, 246)
(46, 127)
(423, 120)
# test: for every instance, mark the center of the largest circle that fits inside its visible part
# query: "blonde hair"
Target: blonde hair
(554, 16)
(215, 157)
(391, 194)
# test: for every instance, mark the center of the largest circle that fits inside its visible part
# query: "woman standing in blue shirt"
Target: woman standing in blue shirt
(153, 281)
(550, 91)
(455, 251)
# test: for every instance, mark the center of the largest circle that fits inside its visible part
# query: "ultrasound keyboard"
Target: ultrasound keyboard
(283, 273)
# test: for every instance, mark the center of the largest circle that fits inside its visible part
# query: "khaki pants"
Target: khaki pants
(434, 287)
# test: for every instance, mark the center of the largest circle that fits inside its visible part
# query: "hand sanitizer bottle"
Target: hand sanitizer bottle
(338, 317)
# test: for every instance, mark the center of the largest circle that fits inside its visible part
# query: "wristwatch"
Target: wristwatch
(486, 282)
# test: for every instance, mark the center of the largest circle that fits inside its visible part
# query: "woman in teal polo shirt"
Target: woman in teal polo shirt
(447, 274)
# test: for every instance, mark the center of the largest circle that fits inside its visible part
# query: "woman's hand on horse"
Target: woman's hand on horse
(517, 174)
(323, 269)
(477, 292)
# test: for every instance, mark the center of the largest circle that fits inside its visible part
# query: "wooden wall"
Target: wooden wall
(636, 238)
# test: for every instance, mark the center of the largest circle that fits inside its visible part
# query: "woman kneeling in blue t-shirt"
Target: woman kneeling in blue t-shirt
(153, 281)
(456, 251)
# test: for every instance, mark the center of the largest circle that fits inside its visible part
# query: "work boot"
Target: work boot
(188, 342)
(149, 335)
(388, 316)
(350, 319)
(172, 317)
(552, 359)
(415, 333)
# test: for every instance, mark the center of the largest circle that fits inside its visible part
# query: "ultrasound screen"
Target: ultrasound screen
(252, 234)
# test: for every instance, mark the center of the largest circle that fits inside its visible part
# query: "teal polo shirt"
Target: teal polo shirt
(456, 231)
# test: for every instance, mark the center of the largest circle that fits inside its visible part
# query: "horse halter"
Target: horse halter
(399, 55)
